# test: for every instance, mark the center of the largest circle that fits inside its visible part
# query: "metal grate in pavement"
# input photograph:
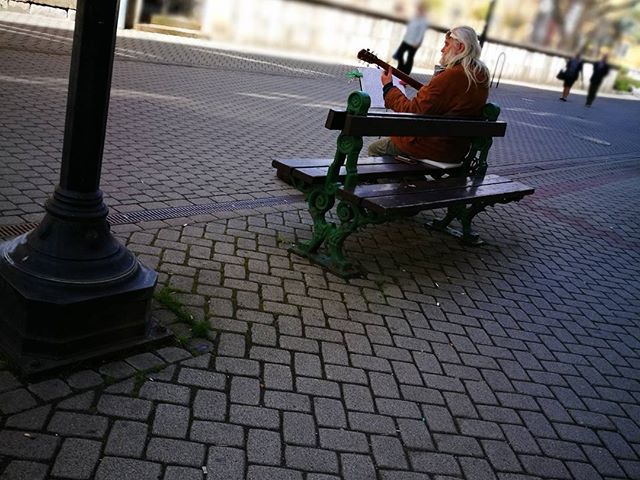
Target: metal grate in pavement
(190, 210)
(8, 231)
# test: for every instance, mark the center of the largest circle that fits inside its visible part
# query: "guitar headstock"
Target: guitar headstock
(367, 56)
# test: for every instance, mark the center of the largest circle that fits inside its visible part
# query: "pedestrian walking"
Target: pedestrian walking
(416, 28)
(600, 70)
(572, 70)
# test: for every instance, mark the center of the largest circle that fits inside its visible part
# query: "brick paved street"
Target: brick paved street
(514, 361)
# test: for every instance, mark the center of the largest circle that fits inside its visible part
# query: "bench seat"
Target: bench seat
(409, 198)
(314, 171)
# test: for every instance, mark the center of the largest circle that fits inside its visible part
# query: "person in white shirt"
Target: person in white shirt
(412, 40)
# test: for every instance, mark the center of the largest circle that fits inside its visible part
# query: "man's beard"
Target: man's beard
(446, 58)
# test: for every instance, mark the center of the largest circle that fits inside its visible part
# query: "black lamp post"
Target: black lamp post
(487, 22)
(69, 291)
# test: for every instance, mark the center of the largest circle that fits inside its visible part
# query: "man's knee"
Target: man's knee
(378, 148)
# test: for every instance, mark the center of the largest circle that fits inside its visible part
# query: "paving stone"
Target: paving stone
(125, 387)
(311, 459)
(126, 439)
(84, 401)
(31, 419)
(183, 473)
(117, 406)
(201, 378)
(171, 421)
(144, 361)
(30, 446)
(520, 439)
(217, 433)
(477, 468)
(210, 405)
(400, 475)
(371, 423)
(245, 390)
(201, 361)
(457, 444)
(224, 463)
(345, 374)
(237, 366)
(50, 389)
(357, 397)
(438, 419)
(165, 392)
(21, 470)
(329, 413)
(117, 370)
(115, 468)
(264, 447)
(299, 429)
(384, 385)
(16, 401)
(260, 472)
(77, 458)
(272, 355)
(544, 467)
(357, 467)
(308, 365)
(254, 416)
(231, 345)
(85, 379)
(421, 394)
(388, 452)
(583, 470)
(173, 354)
(287, 401)
(177, 452)
(501, 456)
(603, 461)
(343, 440)
(398, 408)
(415, 434)
(278, 377)
(480, 429)
(78, 424)
(434, 463)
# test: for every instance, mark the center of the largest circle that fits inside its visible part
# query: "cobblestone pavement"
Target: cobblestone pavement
(515, 361)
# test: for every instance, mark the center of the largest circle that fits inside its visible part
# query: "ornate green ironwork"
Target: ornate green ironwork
(320, 199)
(475, 163)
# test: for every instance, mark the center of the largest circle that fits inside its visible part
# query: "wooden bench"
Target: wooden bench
(380, 189)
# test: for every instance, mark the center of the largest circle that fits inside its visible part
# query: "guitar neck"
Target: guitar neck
(401, 75)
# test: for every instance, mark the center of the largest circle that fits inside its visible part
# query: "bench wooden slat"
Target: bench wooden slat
(288, 164)
(411, 125)
(414, 197)
(316, 175)
(384, 189)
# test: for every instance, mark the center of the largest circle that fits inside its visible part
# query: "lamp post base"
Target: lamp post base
(50, 324)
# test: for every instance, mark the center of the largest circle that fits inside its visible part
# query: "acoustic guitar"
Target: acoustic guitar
(367, 56)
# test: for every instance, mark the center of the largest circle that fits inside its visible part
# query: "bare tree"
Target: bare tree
(583, 22)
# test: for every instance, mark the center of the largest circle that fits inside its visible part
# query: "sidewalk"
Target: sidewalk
(514, 361)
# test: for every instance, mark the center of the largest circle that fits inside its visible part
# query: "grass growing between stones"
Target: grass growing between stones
(199, 328)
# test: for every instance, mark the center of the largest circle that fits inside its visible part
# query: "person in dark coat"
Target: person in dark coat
(600, 70)
(572, 71)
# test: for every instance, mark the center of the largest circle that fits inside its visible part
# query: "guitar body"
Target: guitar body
(369, 57)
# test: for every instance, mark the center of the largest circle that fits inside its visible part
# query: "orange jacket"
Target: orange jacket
(446, 94)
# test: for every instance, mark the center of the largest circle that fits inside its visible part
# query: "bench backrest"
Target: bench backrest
(355, 122)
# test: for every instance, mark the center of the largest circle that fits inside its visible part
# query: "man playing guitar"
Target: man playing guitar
(460, 89)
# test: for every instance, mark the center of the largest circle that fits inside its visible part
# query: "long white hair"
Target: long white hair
(475, 70)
